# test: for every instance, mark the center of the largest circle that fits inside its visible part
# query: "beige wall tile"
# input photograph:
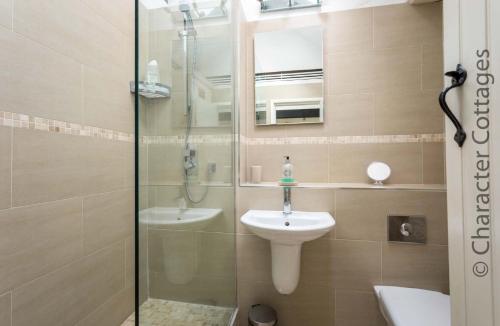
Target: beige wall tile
(39, 81)
(222, 156)
(354, 72)
(348, 162)
(405, 24)
(253, 258)
(312, 200)
(164, 164)
(107, 218)
(351, 115)
(47, 166)
(130, 261)
(117, 309)
(105, 163)
(417, 266)
(310, 161)
(434, 163)
(217, 255)
(38, 239)
(107, 104)
(5, 309)
(369, 220)
(318, 261)
(88, 38)
(432, 65)
(349, 30)
(5, 167)
(355, 264)
(69, 294)
(408, 112)
(6, 13)
(354, 308)
(307, 304)
(120, 16)
(129, 164)
(50, 166)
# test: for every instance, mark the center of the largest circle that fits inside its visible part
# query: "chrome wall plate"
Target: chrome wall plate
(405, 228)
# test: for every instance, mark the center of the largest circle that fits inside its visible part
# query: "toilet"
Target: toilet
(402, 306)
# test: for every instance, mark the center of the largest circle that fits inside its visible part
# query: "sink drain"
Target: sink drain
(287, 223)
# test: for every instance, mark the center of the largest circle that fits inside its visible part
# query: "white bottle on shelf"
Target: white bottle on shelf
(152, 73)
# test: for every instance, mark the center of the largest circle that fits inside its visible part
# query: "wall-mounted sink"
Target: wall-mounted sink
(287, 232)
(194, 219)
(179, 249)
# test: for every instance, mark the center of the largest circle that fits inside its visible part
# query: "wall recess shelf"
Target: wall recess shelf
(156, 90)
(422, 187)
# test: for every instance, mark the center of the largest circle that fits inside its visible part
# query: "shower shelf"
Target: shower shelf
(156, 90)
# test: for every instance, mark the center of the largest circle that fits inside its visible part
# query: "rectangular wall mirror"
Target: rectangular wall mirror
(289, 76)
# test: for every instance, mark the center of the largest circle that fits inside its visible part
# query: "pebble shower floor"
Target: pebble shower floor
(157, 312)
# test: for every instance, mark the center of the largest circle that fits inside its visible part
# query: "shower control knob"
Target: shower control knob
(406, 229)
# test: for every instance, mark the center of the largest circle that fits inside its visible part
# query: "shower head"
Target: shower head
(189, 28)
(185, 9)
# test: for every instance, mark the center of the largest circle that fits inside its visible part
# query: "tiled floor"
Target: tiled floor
(156, 312)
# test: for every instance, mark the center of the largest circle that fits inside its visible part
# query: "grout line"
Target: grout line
(373, 27)
(66, 265)
(82, 93)
(11, 167)
(381, 262)
(66, 199)
(82, 227)
(11, 307)
(421, 67)
(422, 170)
(12, 2)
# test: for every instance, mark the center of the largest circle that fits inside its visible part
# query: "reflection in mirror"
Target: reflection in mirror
(289, 76)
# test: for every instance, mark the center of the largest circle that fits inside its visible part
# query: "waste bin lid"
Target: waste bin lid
(262, 315)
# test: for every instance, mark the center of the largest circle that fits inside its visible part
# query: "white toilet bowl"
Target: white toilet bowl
(413, 307)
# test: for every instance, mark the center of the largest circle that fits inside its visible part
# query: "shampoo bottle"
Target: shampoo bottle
(287, 170)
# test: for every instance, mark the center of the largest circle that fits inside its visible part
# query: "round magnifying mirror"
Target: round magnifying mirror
(378, 172)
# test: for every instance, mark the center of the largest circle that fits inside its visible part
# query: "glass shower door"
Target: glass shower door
(186, 251)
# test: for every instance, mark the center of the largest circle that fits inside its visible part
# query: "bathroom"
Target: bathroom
(249, 162)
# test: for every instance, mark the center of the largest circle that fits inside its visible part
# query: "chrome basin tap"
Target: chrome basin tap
(287, 200)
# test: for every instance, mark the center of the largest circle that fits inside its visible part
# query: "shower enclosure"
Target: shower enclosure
(185, 268)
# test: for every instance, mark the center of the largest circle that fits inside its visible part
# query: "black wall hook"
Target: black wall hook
(458, 78)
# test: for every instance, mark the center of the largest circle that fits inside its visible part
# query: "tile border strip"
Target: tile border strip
(227, 139)
(24, 121)
(376, 139)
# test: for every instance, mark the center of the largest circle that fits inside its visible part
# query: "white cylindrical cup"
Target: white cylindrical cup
(256, 171)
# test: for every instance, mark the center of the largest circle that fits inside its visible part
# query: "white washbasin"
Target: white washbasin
(287, 232)
(178, 219)
(294, 228)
